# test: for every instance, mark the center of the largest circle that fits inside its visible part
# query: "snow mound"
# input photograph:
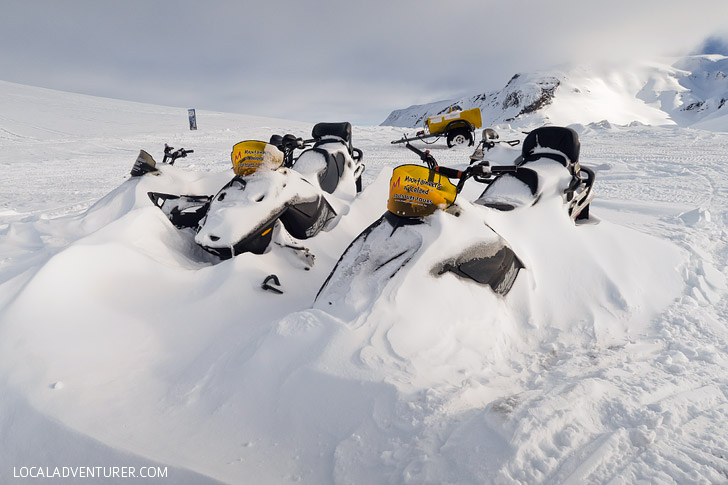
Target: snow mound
(156, 320)
(123, 343)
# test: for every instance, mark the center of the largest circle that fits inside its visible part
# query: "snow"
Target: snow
(686, 91)
(122, 343)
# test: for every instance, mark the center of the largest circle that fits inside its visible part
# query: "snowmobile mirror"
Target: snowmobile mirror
(489, 134)
(417, 191)
(249, 156)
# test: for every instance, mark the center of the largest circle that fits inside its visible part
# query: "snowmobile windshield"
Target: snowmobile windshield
(417, 191)
(251, 155)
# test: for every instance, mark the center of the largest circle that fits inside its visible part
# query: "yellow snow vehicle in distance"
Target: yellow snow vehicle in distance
(456, 125)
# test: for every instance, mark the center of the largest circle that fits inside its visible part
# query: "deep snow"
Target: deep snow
(123, 343)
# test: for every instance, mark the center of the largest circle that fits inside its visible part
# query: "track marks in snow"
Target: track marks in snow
(612, 419)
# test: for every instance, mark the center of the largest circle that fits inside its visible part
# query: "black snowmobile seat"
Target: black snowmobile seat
(558, 138)
(327, 132)
(341, 130)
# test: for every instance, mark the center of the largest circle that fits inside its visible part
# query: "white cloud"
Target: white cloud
(310, 59)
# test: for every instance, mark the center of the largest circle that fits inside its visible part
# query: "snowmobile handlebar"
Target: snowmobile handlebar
(482, 169)
(448, 172)
(482, 172)
(426, 157)
(174, 155)
(485, 169)
(503, 168)
(288, 144)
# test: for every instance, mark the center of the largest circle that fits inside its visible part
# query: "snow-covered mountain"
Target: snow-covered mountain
(690, 91)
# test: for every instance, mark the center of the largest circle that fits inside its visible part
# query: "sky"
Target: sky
(324, 60)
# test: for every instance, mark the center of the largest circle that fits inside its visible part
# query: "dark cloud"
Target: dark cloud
(325, 59)
(714, 45)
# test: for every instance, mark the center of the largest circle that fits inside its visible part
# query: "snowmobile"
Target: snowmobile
(145, 162)
(546, 152)
(273, 193)
(422, 207)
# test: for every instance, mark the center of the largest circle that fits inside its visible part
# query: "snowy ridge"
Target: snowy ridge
(123, 343)
(687, 91)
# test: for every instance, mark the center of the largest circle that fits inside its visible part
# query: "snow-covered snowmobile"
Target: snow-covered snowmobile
(422, 212)
(273, 194)
(145, 162)
(546, 152)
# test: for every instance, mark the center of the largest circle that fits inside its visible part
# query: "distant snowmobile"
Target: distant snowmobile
(145, 162)
(422, 210)
(273, 193)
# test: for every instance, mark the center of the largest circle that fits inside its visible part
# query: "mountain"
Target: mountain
(689, 91)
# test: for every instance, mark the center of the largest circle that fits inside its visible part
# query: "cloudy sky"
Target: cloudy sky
(330, 60)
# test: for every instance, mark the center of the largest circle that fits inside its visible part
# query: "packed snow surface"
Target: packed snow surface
(123, 343)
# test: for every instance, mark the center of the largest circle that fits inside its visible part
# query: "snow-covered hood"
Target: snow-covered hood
(247, 204)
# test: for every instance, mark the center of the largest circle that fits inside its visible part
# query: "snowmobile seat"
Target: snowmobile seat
(511, 190)
(333, 132)
(553, 142)
(556, 142)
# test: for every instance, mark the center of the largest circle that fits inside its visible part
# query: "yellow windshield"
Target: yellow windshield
(249, 156)
(417, 191)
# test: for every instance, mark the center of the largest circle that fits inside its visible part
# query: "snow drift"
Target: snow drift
(124, 342)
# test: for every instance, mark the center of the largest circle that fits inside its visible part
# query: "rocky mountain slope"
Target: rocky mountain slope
(689, 91)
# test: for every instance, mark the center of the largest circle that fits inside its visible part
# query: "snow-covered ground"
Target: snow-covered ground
(122, 344)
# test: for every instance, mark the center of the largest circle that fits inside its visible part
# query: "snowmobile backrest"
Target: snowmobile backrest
(556, 142)
(326, 132)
